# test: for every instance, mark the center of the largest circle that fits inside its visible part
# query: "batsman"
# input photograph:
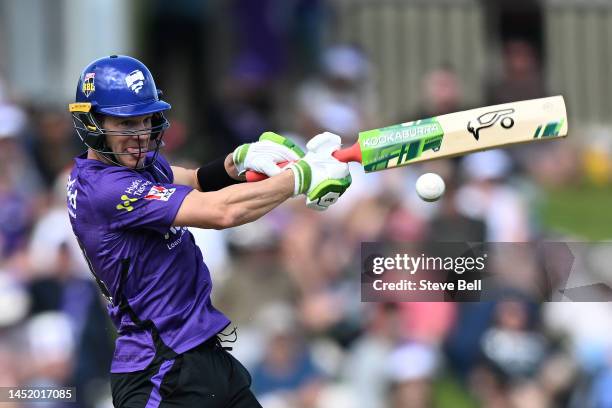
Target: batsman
(130, 209)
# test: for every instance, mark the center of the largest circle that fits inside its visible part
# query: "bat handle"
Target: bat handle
(349, 154)
(252, 176)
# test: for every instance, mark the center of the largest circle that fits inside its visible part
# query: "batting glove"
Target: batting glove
(263, 155)
(319, 175)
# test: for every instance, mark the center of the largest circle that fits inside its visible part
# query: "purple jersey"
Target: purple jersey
(153, 274)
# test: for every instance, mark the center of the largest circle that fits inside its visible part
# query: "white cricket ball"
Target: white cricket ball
(430, 187)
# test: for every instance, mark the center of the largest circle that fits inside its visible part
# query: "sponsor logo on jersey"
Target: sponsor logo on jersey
(174, 236)
(88, 86)
(71, 193)
(135, 80)
(137, 187)
(126, 204)
(159, 193)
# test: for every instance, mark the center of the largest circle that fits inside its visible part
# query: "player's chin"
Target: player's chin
(133, 160)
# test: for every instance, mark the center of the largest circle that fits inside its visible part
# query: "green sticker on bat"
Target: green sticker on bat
(398, 145)
(552, 129)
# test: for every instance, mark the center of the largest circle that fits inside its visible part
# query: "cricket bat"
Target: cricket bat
(455, 134)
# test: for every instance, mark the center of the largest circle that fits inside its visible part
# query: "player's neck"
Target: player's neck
(93, 155)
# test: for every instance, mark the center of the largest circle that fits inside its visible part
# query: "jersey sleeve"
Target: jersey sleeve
(128, 201)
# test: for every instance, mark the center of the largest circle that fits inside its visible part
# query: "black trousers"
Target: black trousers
(206, 376)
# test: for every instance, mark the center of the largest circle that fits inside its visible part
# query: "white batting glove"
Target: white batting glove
(262, 156)
(320, 176)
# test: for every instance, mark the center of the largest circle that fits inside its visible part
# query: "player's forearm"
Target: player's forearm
(247, 202)
(234, 205)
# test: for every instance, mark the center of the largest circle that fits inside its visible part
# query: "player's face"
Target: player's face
(130, 148)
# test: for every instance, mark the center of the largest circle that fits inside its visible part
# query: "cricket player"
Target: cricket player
(130, 209)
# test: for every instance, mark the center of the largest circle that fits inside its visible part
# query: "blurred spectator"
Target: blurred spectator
(309, 28)
(14, 301)
(18, 183)
(585, 325)
(485, 196)
(557, 165)
(521, 76)
(13, 119)
(463, 341)
(14, 307)
(15, 219)
(513, 352)
(178, 55)
(52, 143)
(66, 291)
(286, 367)
(51, 349)
(246, 104)
(298, 251)
(316, 259)
(450, 225)
(243, 110)
(261, 31)
(365, 366)
(442, 93)
(51, 232)
(341, 98)
(331, 116)
(275, 34)
(511, 346)
(411, 369)
(255, 276)
(426, 322)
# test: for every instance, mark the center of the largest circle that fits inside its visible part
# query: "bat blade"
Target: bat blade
(455, 134)
(464, 132)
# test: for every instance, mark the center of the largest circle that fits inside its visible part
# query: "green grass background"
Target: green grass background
(584, 211)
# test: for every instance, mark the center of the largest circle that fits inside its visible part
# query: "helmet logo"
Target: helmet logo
(88, 84)
(135, 80)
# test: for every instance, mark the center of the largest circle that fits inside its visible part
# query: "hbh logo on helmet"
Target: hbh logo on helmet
(135, 80)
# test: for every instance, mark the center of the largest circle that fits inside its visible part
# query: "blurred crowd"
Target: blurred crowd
(290, 281)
